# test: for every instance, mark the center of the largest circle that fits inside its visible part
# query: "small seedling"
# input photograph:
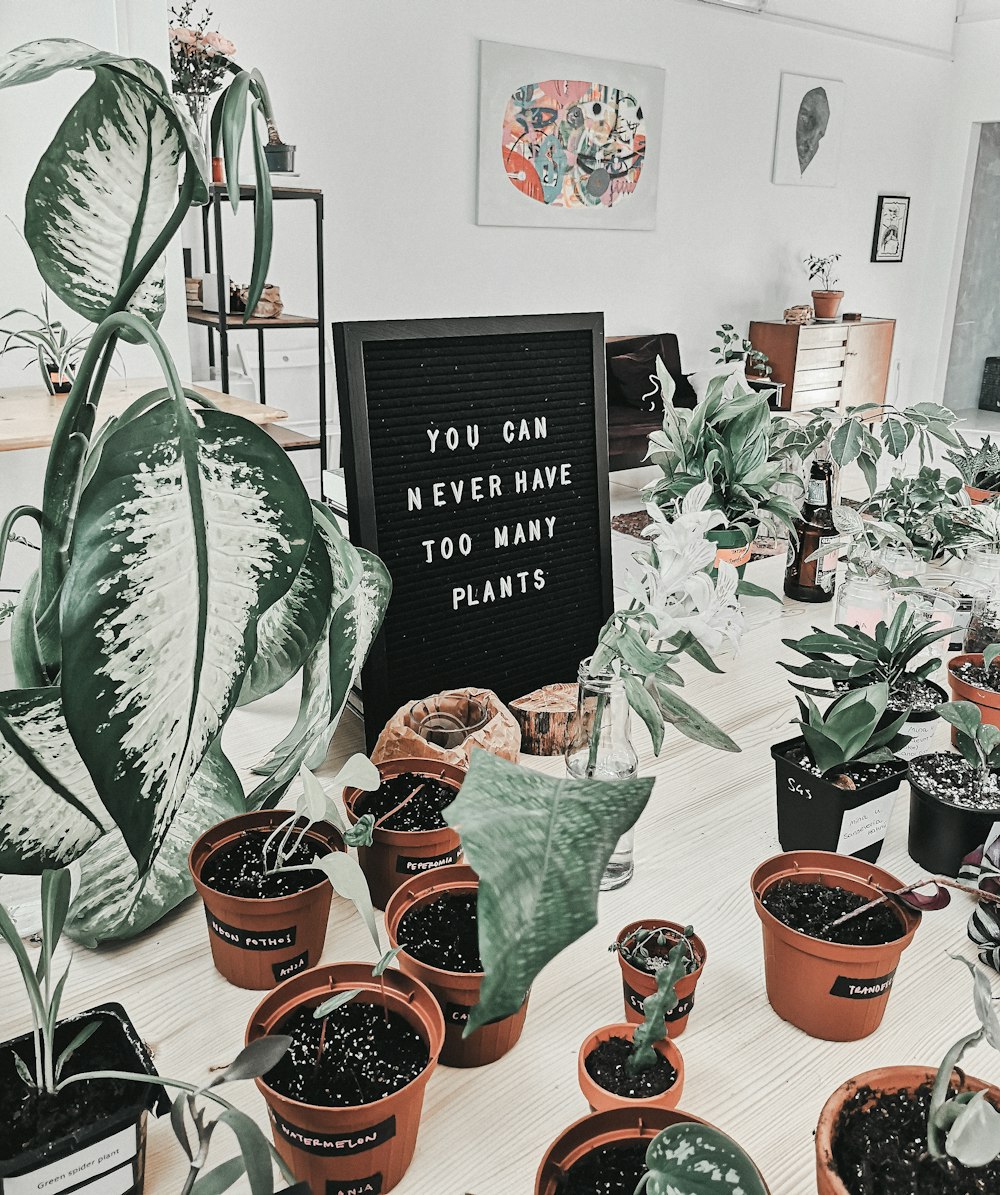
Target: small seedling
(635, 948)
(848, 731)
(977, 742)
(696, 1159)
(655, 1007)
(966, 1126)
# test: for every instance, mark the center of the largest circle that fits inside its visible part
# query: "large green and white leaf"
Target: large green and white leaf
(192, 526)
(539, 846)
(50, 812)
(697, 1159)
(113, 900)
(106, 185)
(29, 669)
(291, 628)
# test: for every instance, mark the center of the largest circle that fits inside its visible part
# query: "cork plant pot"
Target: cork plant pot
(395, 855)
(830, 991)
(885, 1080)
(455, 991)
(961, 690)
(638, 983)
(602, 1100)
(259, 942)
(367, 1147)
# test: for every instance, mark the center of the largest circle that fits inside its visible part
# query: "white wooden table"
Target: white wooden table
(710, 821)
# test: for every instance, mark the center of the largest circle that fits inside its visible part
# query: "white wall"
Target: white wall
(382, 101)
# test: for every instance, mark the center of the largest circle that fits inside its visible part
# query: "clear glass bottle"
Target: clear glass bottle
(598, 746)
(863, 602)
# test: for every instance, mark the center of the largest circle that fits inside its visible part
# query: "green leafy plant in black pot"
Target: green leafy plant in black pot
(848, 658)
(955, 796)
(835, 781)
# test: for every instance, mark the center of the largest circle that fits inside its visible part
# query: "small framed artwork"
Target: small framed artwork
(891, 216)
(807, 137)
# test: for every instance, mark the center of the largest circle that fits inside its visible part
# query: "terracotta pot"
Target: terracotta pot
(340, 1150)
(600, 1099)
(826, 303)
(455, 991)
(396, 855)
(731, 546)
(830, 991)
(814, 814)
(988, 701)
(637, 984)
(642, 1123)
(942, 834)
(884, 1079)
(109, 1152)
(257, 943)
(977, 495)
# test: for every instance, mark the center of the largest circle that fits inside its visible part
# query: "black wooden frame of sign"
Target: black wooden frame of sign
(349, 341)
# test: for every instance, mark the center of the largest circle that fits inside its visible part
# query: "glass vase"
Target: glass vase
(598, 747)
(984, 623)
(863, 602)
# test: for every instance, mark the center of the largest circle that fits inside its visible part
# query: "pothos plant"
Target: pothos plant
(183, 570)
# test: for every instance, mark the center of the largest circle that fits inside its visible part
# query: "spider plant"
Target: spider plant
(48, 341)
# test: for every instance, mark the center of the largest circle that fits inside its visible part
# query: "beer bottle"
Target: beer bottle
(813, 580)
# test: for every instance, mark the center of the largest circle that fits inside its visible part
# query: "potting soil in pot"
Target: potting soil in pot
(29, 1122)
(912, 693)
(606, 1065)
(860, 773)
(607, 1170)
(412, 802)
(363, 1054)
(810, 908)
(977, 676)
(443, 933)
(946, 775)
(655, 957)
(238, 868)
(880, 1148)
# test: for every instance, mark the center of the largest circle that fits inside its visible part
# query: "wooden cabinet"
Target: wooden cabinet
(827, 365)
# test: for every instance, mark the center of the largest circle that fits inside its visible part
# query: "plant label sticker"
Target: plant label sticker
(406, 865)
(372, 1185)
(865, 826)
(273, 939)
(862, 989)
(334, 1145)
(291, 966)
(635, 1000)
(106, 1167)
(921, 738)
(456, 1014)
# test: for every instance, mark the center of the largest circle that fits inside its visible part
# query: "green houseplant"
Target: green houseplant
(978, 467)
(920, 507)
(182, 569)
(826, 300)
(734, 347)
(49, 341)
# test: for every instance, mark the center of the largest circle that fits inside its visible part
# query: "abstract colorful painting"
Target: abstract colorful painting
(807, 141)
(575, 150)
(573, 144)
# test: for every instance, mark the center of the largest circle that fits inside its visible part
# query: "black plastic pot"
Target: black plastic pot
(942, 834)
(920, 725)
(108, 1154)
(280, 157)
(815, 815)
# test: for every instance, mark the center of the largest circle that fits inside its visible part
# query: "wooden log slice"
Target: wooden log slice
(543, 717)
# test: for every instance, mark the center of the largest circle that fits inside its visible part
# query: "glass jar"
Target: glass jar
(983, 564)
(938, 610)
(901, 564)
(965, 591)
(448, 719)
(863, 602)
(598, 747)
(984, 623)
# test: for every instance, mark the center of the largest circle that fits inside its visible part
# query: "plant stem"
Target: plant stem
(887, 896)
(595, 734)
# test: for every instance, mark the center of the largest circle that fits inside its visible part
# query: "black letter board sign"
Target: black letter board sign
(476, 463)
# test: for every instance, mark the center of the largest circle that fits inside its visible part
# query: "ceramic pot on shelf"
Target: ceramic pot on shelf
(826, 303)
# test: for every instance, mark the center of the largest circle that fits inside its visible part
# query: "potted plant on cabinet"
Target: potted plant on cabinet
(833, 982)
(978, 467)
(645, 1148)
(836, 781)
(622, 1064)
(849, 658)
(976, 678)
(826, 300)
(95, 766)
(909, 1128)
(642, 948)
(267, 921)
(955, 797)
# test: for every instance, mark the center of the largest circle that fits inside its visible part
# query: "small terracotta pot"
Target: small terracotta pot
(455, 991)
(637, 984)
(620, 1125)
(600, 1099)
(396, 855)
(942, 834)
(988, 701)
(826, 303)
(977, 495)
(885, 1079)
(338, 1150)
(830, 991)
(259, 943)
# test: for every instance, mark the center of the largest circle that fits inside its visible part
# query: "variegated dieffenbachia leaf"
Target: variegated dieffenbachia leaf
(106, 185)
(193, 524)
(50, 812)
(113, 900)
